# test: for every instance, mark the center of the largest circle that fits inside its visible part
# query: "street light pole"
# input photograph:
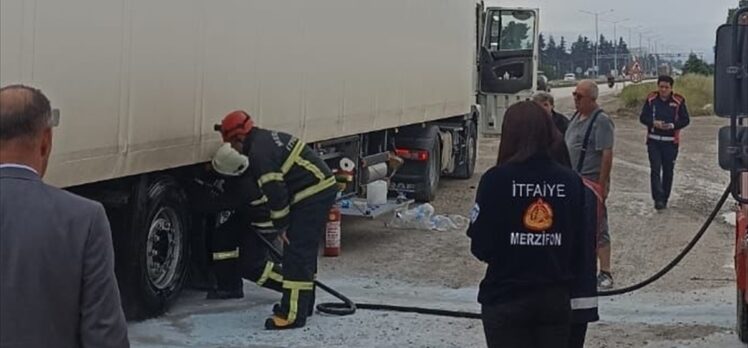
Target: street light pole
(640, 44)
(615, 43)
(597, 37)
(630, 43)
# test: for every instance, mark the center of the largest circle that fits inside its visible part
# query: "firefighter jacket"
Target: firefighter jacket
(287, 172)
(527, 225)
(673, 110)
(215, 193)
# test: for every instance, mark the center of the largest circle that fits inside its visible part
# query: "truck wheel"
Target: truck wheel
(432, 175)
(742, 317)
(157, 249)
(467, 169)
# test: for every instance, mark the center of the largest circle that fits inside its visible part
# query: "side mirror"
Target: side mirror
(728, 154)
(731, 71)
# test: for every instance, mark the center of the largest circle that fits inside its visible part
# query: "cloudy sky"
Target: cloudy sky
(680, 25)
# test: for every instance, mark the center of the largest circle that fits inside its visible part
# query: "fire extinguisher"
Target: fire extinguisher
(332, 232)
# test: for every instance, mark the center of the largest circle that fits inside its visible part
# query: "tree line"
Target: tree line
(560, 57)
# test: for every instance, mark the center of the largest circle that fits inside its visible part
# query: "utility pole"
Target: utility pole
(597, 37)
(657, 59)
(640, 44)
(649, 51)
(630, 43)
(615, 43)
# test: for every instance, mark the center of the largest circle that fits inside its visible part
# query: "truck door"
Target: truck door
(507, 61)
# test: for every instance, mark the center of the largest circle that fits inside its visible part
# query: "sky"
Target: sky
(680, 25)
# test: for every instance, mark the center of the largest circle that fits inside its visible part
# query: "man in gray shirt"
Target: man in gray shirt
(57, 284)
(596, 162)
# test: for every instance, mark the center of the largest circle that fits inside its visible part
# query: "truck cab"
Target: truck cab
(507, 61)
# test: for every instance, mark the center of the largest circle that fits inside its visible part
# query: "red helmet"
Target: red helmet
(235, 124)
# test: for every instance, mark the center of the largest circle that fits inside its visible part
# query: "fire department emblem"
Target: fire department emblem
(474, 213)
(538, 216)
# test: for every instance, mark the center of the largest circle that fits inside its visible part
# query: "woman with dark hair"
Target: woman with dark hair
(528, 226)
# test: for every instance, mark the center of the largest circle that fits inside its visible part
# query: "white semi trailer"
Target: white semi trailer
(140, 83)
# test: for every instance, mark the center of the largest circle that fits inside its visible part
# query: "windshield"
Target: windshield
(511, 30)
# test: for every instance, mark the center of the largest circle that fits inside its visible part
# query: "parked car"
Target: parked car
(570, 77)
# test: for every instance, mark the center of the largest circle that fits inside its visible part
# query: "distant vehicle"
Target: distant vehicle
(664, 69)
(570, 77)
(543, 83)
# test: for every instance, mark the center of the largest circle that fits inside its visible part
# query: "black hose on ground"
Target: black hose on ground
(680, 256)
(348, 307)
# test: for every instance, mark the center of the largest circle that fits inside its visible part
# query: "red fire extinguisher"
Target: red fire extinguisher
(332, 232)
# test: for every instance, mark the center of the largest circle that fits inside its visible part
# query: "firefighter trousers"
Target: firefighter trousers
(308, 220)
(225, 254)
(238, 253)
(256, 264)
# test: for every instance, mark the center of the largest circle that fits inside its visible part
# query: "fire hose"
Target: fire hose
(348, 307)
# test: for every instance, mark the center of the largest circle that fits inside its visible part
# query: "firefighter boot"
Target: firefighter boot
(310, 312)
(295, 306)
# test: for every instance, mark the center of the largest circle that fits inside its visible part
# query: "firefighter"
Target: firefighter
(298, 189)
(665, 114)
(528, 225)
(236, 251)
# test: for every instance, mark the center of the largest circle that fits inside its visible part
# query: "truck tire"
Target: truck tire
(742, 317)
(431, 176)
(467, 168)
(156, 249)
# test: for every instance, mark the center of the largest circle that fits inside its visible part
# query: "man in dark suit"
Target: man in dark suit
(545, 100)
(57, 284)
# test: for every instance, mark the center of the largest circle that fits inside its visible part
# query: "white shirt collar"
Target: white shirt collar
(19, 166)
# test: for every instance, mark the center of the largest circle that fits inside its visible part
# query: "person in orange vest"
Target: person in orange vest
(665, 114)
(299, 189)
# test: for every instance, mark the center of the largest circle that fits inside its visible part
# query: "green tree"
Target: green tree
(550, 59)
(563, 55)
(731, 12)
(514, 36)
(543, 49)
(582, 53)
(695, 65)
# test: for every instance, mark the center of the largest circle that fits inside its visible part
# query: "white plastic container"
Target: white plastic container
(376, 192)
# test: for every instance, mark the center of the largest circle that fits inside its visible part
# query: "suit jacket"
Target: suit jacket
(57, 283)
(561, 122)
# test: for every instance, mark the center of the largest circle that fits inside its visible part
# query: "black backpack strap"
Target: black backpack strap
(586, 140)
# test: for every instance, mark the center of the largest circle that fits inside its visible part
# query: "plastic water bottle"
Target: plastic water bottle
(422, 217)
(416, 218)
(460, 221)
(443, 223)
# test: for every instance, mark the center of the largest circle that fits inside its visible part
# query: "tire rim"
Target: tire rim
(164, 248)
